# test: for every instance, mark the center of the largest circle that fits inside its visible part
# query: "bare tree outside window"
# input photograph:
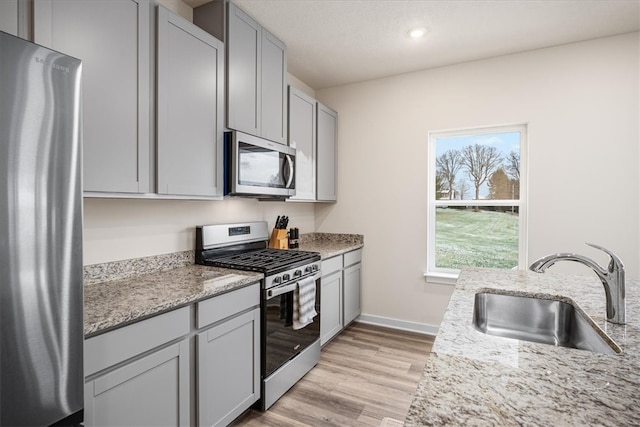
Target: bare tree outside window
(463, 187)
(481, 161)
(439, 185)
(513, 165)
(448, 165)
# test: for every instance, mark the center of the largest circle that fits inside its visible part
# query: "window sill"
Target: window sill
(441, 278)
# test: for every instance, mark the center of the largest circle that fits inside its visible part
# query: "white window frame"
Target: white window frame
(448, 275)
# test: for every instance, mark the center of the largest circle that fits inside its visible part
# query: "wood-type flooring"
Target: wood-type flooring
(366, 374)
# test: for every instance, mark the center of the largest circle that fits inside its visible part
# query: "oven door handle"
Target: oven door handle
(274, 292)
(271, 293)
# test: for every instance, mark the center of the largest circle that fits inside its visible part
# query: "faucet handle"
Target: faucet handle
(615, 263)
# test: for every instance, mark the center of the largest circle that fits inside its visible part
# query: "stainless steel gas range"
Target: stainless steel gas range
(288, 351)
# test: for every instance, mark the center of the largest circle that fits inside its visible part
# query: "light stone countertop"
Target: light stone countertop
(475, 379)
(330, 244)
(112, 304)
(122, 292)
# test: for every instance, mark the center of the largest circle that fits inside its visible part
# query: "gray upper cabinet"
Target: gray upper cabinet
(190, 109)
(302, 137)
(327, 136)
(243, 71)
(274, 89)
(256, 78)
(9, 16)
(15, 18)
(112, 40)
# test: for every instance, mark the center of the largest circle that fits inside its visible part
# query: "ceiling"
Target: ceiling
(336, 42)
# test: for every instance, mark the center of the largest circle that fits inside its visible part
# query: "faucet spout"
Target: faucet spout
(612, 278)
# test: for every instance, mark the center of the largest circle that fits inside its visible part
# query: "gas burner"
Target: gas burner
(268, 261)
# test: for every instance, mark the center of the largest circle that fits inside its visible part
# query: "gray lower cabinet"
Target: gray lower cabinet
(139, 375)
(228, 349)
(340, 298)
(152, 391)
(164, 371)
(330, 306)
(190, 108)
(327, 137)
(352, 286)
(113, 40)
(229, 369)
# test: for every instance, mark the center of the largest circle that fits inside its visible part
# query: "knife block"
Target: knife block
(279, 239)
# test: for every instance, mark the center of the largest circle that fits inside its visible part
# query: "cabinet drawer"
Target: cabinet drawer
(352, 257)
(121, 344)
(217, 308)
(331, 265)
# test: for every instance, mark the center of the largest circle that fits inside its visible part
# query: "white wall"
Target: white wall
(123, 229)
(580, 102)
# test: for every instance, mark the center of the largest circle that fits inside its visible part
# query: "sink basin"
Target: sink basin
(546, 321)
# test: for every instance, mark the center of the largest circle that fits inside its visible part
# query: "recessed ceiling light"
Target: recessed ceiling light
(416, 33)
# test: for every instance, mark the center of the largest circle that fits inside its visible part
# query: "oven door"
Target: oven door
(280, 341)
(260, 167)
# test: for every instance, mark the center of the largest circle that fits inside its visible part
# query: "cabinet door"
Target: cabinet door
(352, 290)
(9, 16)
(330, 306)
(228, 369)
(326, 153)
(112, 40)
(302, 137)
(151, 391)
(190, 108)
(273, 89)
(244, 57)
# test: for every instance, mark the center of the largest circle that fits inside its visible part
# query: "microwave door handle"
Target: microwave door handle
(290, 174)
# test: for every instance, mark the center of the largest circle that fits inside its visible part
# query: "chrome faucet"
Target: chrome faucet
(612, 278)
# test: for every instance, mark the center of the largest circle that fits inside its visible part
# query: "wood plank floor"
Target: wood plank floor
(366, 374)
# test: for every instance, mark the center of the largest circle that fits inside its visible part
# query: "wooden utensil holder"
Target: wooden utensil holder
(279, 239)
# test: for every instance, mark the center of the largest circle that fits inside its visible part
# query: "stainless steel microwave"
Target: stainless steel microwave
(257, 167)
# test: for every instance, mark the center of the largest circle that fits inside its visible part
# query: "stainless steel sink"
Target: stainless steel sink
(539, 320)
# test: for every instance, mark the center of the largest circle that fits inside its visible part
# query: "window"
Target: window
(476, 211)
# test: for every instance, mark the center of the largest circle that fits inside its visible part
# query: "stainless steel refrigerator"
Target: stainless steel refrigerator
(41, 331)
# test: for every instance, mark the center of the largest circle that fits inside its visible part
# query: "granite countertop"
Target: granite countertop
(330, 244)
(475, 379)
(112, 304)
(122, 292)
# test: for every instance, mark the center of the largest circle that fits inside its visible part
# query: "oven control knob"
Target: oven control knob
(286, 277)
(308, 270)
(297, 273)
(314, 267)
(277, 279)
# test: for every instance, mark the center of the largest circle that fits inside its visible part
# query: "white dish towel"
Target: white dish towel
(304, 303)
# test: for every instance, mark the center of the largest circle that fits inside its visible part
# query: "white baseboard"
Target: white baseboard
(421, 328)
